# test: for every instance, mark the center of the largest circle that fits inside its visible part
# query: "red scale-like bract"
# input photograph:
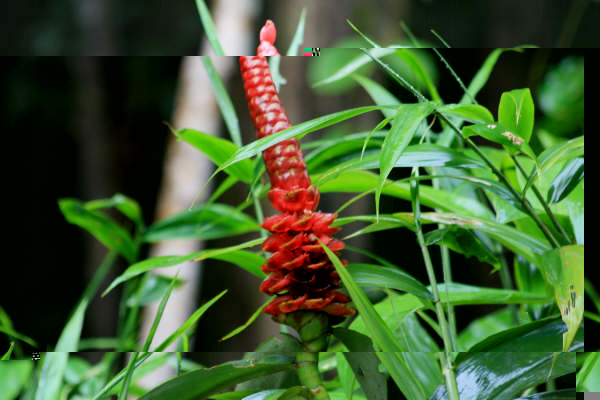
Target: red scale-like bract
(300, 273)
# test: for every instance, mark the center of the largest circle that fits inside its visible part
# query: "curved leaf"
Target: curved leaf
(561, 152)
(504, 365)
(296, 131)
(405, 124)
(380, 333)
(353, 65)
(167, 261)
(471, 112)
(379, 94)
(566, 181)
(201, 383)
(103, 228)
(218, 150)
(516, 112)
(564, 270)
(362, 181)
(208, 221)
(386, 277)
(564, 394)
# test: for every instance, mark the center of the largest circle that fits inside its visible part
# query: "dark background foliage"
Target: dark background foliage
(159, 27)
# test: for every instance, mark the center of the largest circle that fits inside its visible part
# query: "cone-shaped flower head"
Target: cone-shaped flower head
(300, 273)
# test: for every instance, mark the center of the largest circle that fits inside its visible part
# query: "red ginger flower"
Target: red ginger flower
(300, 273)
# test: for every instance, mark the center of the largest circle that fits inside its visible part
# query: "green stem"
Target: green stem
(451, 385)
(447, 271)
(312, 328)
(507, 283)
(308, 372)
(544, 204)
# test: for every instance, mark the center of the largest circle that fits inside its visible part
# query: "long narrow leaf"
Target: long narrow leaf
(55, 363)
(200, 383)
(224, 101)
(404, 126)
(295, 131)
(172, 338)
(167, 261)
(391, 349)
(209, 28)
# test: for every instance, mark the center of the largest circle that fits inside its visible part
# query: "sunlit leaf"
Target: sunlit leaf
(218, 150)
(516, 112)
(564, 270)
(566, 180)
(207, 221)
(405, 124)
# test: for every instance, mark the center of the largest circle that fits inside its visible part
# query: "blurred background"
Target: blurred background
(159, 27)
(89, 127)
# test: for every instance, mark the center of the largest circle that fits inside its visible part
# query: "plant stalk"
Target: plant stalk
(544, 203)
(447, 271)
(507, 283)
(450, 378)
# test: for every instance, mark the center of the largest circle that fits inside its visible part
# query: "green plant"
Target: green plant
(494, 193)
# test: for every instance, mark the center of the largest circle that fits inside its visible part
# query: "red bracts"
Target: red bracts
(300, 273)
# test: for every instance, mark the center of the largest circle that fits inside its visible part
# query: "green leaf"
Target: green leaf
(566, 181)
(561, 152)
(347, 154)
(588, 377)
(6, 355)
(54, 363)
(296, 131)
(209, 28)
(563, 269)
(461, 241)
(285, 345)
(471, 112)
(503, 373)
(201, 383)
(218, 150)
(362, 181)
(386, 277)
(380, 333)
(460, 294)
(498, 133)
(16, 335)
(153, 288)
(14, 375)
(249, 322)
(563, 394)
(417, 68)
(484, 327)
(189, 322)
(224, 101)
(247, 260)
(379, 94)
(543, 335)
(354, 65)
(172, 338)
(516, 112)
(298, 35)
(363, 362)
(124, 204)
(103, 228)
(345, 375)
(208, 221)
(167, 261)
(521, 243)
(405, 124)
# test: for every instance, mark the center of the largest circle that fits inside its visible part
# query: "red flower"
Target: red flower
(300, 273)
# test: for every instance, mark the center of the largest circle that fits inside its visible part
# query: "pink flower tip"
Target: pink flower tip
(268, 32)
